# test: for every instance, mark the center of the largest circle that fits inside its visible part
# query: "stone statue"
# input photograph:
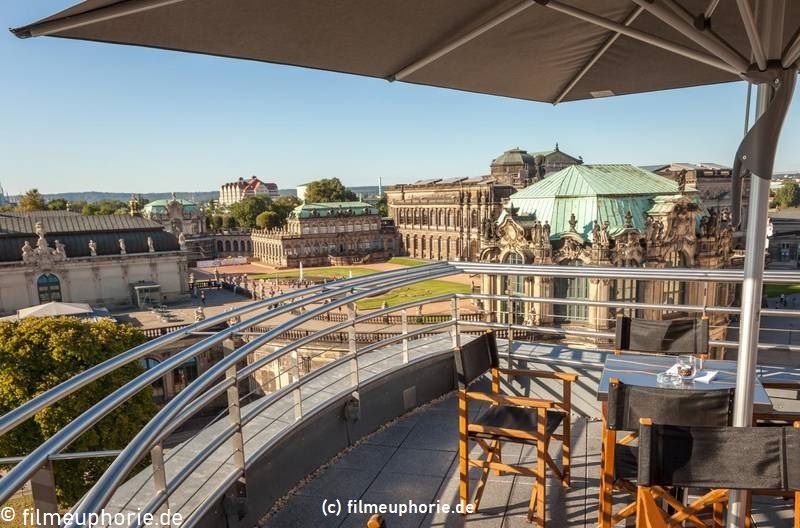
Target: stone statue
(150, 247)
(604, 234)
(93, 248)
(537, 233)
(199, 314)
(27, 252)
(60, 250)
(133, 205)
(122, 250)
(41, 246)
(40, 229)
(596, 232)
(182, 242)
(546, 233)
(629, 220)
(573, 222)
(681, 178)
(649, 229)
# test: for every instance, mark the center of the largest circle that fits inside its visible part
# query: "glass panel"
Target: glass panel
(575, 288)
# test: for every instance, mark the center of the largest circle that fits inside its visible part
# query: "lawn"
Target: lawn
(19, 503)
(429, 288)
(774, 290)
(315, 274)
(404, 261)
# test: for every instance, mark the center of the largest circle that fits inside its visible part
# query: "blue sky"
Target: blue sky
(79, 116)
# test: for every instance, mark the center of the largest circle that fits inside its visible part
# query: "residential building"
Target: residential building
(234, 192)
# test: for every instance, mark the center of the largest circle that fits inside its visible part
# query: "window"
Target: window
(513, 285)
(184, 375)
(574, 288)
(674, 292)
(159, 394)
(49, 288)
(628, 291)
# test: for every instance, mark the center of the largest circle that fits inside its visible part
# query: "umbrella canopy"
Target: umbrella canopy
(53, 309)
(541, 50)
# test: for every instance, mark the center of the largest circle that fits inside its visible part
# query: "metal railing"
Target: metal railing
(223, 378)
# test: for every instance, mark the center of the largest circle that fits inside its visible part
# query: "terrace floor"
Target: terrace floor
(415, 458)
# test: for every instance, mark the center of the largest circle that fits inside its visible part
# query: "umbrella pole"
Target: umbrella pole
(771, 30)
(752, 285)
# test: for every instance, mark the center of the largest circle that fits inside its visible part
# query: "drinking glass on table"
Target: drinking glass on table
(687, 366)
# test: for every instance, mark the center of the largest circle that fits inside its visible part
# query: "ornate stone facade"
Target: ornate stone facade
(449, 219)
(586, 217)
(176, 215)
(63, 256)
(337, 233)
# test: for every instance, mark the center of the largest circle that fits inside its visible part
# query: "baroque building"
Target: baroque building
(711, 180)
(607, 215)
(236, 191)
(445, 219)
(323, 234)
(101, 260)
(176, 215)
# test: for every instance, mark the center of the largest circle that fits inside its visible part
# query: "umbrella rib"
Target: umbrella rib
(749, 22)
(87, 18)
(647, 38)
(596, 56)
(675, 17)
(792, 54)
(440, 52)
(712, 6)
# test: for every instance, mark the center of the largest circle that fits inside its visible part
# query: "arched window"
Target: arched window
(628, 291)
(474, 222)
(576, 288)
(249, 246)
(159, 394)
(220, 246)
(49, 288)
(228, 246)
(674, 292)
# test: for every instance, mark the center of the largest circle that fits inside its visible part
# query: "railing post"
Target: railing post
(404, 329)
(159, 473)
(234, 411)
(509, 320)
(351, 338)
(454, 330)
(43, 487)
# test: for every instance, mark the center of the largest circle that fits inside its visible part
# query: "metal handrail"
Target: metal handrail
(199, 391)
(17, 476)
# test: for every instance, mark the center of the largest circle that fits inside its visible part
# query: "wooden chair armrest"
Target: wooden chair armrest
(781, 385)
(547, 374)
(502, 399)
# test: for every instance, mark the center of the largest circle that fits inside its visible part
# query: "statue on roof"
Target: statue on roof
(122, 250)
(27, 253)
(150, 247)
(133, 206)
(546, 233)
(182, 242)
(39, 229)
(681, 179)
(573, 222)
(60, 252)
(629, 220)
(174, 198)
(92, 248)
(536, 233)
(596, 232)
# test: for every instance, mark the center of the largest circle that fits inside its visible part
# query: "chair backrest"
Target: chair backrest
(475, 358)
(756, 458)
(628, 403)
(676, 336)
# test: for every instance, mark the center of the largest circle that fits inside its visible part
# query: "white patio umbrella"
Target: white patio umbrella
(53, 309)
(542, 50)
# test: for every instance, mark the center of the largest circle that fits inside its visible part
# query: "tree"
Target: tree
(229, 222)
(282, 206)
(217, 220)
(246, 211)
(57, 204)
(328, 190)
(788, 195)
(105, 207)
(32, 201)
(268, 220)
(37, 354)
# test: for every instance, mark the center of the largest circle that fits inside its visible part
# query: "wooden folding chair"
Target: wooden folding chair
(714, 458)
(513, 419)
(668, 337)
(626, 405)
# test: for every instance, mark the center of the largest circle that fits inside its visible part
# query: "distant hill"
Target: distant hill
(197, 196)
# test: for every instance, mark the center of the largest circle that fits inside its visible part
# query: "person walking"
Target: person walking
(203, 297)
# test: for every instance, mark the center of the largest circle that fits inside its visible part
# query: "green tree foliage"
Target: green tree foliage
(268, 220)
(229, 222)
(788, 195)
(246, 211)
(57, 204)
(105, 207)
(32, 201)
(328, 190)
(37, 354)
(216, 221)
(282, 206)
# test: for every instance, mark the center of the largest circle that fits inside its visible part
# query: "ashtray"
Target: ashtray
(668, 378)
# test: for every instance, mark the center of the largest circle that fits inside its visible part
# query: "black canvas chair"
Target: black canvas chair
(672, 337)
(716, 458)
(626, 405)
(514, 419)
